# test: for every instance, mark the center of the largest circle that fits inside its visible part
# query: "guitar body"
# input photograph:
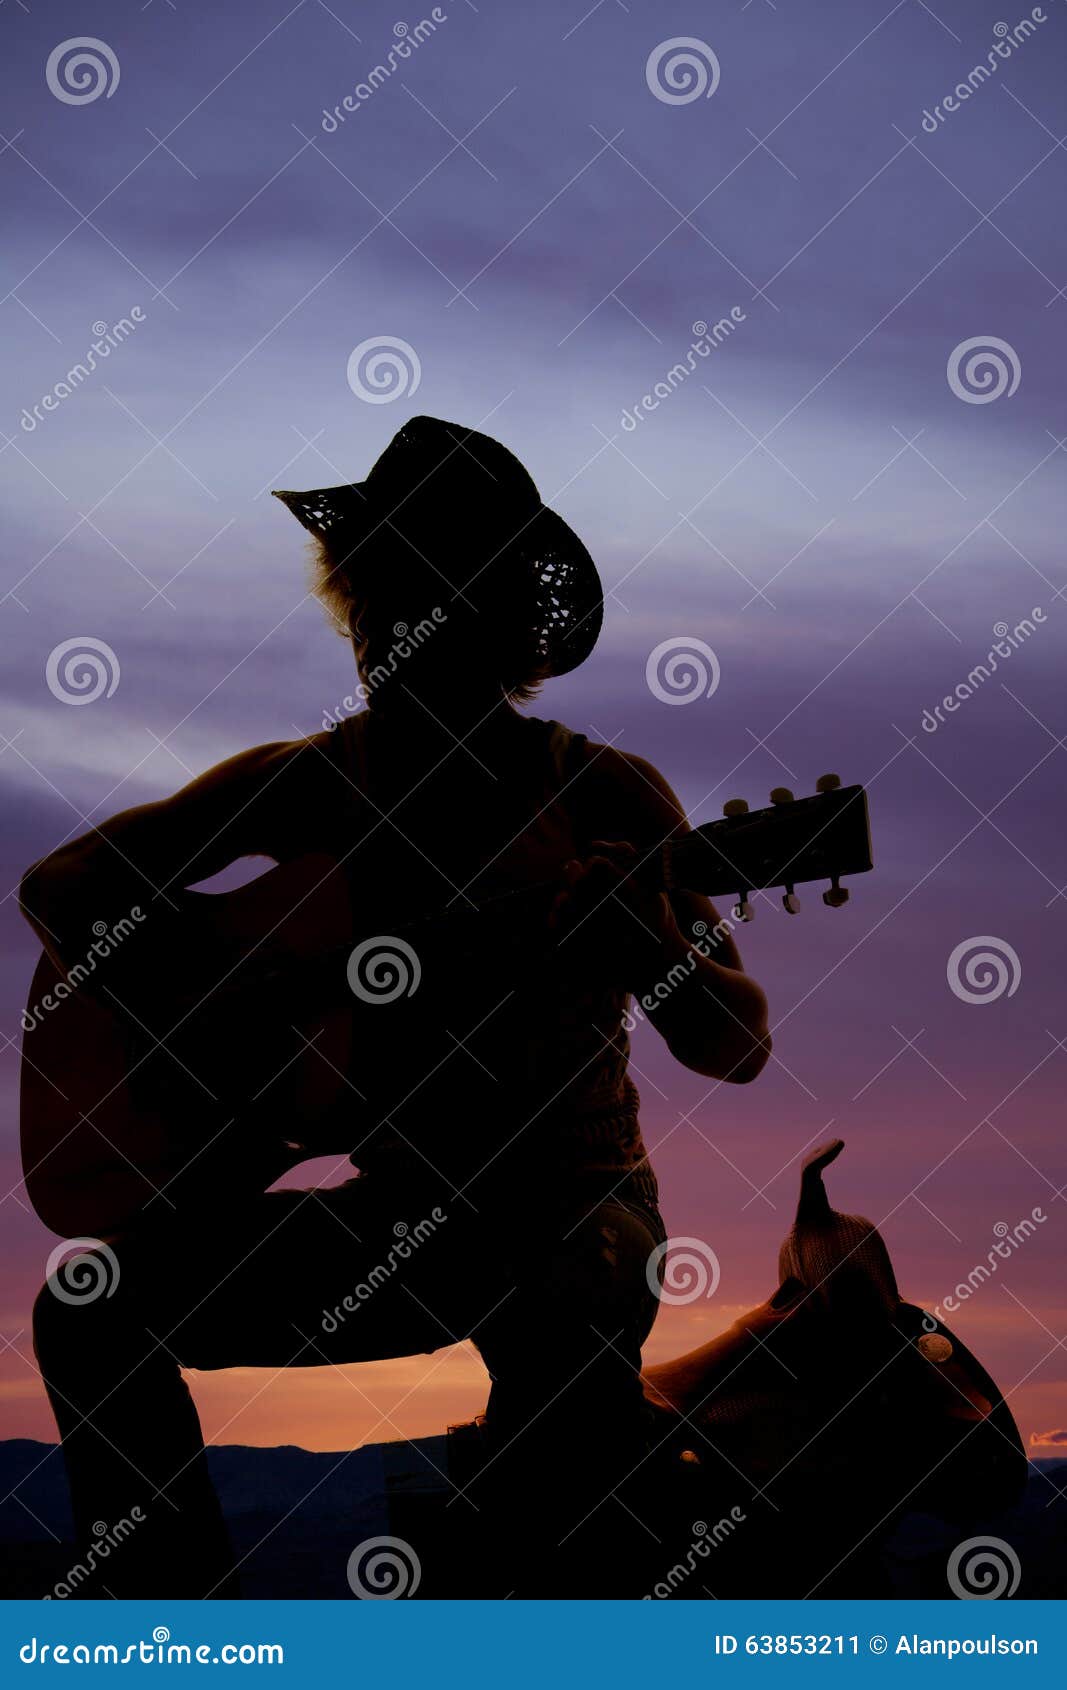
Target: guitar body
(183, 1093)
(117, 1126)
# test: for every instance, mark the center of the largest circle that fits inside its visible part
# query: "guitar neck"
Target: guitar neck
(791, 841)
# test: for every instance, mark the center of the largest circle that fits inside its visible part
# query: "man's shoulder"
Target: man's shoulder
(631, 792)
(282, 780)
(275, 757)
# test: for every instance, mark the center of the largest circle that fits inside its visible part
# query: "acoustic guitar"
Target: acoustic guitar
(137, 1102)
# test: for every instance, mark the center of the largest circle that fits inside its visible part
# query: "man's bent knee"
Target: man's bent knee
(76, 1313)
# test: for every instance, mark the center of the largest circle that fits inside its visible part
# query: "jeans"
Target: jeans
(556, 1295)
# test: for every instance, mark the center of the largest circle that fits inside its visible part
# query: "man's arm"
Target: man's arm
(683, 965)
(149, 855)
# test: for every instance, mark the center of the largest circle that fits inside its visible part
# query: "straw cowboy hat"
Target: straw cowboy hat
(465, 506)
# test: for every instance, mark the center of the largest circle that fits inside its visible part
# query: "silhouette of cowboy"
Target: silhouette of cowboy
(503, 1105)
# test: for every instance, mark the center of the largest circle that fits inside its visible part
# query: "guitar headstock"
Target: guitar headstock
(791, 841)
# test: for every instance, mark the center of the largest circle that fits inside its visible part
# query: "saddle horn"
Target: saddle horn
(839, 1258)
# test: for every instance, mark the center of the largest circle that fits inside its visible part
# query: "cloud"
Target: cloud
(1057, 1436)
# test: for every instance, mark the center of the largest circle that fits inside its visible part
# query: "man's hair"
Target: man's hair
(506, 626)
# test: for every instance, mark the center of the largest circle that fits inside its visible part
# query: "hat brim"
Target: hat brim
(323, 508)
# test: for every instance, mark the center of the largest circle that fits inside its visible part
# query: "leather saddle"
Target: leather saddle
(816, 1422)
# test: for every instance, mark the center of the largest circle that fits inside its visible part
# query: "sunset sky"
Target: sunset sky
(816, 502)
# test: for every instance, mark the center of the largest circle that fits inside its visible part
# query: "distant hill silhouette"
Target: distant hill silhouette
(297, 1514)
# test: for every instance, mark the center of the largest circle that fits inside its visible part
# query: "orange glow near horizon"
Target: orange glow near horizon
(341, 1408)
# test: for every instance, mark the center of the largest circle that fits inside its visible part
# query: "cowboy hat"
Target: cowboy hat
(466, 506)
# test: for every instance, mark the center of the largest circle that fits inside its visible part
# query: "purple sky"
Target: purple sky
(815, 503)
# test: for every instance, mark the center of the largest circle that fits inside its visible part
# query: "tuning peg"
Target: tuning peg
(828, 783)
(791, 903)
(735, 807)
(781, 795)
(743, 910)
(836, 896)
